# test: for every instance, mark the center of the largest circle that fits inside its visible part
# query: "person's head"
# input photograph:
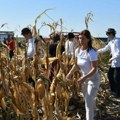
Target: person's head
(12, 38)
(8, 38)
(111, 33)
(26, 32)
(70, 35)
(56, 38)
(85, 39)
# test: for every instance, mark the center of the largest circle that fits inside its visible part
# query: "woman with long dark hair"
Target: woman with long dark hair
(87, 62)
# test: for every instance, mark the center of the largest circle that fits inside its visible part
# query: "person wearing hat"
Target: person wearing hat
(114, 70)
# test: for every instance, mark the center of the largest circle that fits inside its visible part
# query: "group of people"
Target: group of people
(87, 61)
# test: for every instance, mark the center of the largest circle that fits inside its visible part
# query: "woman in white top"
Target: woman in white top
(114, 71)
(90, 80)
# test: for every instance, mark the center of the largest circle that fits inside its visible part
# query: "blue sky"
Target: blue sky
(20, 13)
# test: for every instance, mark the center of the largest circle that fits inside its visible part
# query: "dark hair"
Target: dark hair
(56, 38)
(70, 35)
(25, 31)
(113, 34)
(41, 37)
(87, 34)
(12, 37)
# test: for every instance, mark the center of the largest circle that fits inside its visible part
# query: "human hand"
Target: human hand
(110, 60)
(81, 80)
(8, 48)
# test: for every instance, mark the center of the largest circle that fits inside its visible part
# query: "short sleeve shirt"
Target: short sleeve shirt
(84, 59)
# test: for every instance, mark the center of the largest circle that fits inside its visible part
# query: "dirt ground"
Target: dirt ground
(107, 108)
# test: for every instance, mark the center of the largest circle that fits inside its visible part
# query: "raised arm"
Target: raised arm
(4, 45)
(102, 50)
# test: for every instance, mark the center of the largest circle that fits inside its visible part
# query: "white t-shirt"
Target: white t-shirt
(31, 48)
(84, 59)
(69, 47)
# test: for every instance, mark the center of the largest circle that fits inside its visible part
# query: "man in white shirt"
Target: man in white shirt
(70, 45)
(114, 71)
(26, 32)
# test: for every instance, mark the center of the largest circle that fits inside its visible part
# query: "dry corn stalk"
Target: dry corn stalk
(34, 31)
(26, 99)
(88, 18)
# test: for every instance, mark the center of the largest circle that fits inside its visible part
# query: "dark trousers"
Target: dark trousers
(11, 54)
(54, 67)
(114, 80)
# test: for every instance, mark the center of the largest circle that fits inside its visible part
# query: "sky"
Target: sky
(18, 14)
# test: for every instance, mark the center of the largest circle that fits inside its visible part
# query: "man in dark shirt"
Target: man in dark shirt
(53, 46)
(52, 53)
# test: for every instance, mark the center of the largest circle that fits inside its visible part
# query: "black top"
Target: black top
(52, 49)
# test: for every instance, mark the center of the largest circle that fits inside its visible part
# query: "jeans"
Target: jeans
(114, 80)
(89, 92)
(11, 54)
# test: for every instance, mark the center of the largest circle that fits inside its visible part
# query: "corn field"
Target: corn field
(48, 100)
